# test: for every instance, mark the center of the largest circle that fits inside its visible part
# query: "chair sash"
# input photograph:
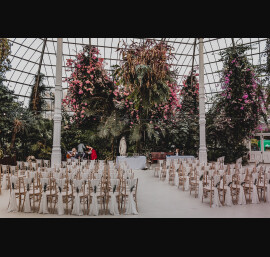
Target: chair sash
(186, 185)
(167, 175)
(113, 206)
(228, 196)
(200, 193)
(254, 195)
(4, 184)
(94, 208)
(12, 198)
(114, 175)
(45, 174)
(27, 207)
(176, 179)
(268, 193)
(216, 201)
(60, 206)
(241, 198)
(43, 202)
(131, 205)
(77, 210)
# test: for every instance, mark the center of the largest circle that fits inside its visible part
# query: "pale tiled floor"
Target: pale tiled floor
(158, 199)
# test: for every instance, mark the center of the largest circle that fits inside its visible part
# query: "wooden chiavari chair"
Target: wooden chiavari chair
(194, 182)
(208, 185)
(261, 185)
(183, 176)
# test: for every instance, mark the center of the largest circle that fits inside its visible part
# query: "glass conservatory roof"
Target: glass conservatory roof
(26, 54)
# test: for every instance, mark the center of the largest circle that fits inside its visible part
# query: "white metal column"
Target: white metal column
(262, 147)
(202, 150)
(56, 150)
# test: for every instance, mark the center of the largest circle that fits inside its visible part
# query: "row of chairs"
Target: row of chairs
(101, 186)
(240, 185)
(69, 189)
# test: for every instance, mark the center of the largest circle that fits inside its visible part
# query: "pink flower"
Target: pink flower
(245, 96)
(80, 92)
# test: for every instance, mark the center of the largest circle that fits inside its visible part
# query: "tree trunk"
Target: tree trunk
(13, 140)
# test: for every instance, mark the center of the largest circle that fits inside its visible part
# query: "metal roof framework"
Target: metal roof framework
(28, 56)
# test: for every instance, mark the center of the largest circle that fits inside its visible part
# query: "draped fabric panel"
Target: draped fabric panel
(131, 205)
(43, 203)
(12, 198)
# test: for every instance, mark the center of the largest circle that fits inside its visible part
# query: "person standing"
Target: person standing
(93, 153)
(81, 148)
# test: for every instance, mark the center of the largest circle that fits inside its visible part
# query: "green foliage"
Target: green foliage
(236, 111)
(37, 101)
(147, 92)
(4, 54)
(190, 114)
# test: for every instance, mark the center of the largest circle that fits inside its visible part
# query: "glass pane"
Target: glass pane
(255, 143)
(266, 143)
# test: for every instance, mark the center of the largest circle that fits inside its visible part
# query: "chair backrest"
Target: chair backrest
(114, 185)
(4, 169)
(46, 163)
(39, 162)
(20, 164)
(14, 182)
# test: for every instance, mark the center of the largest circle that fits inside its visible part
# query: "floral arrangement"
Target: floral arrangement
(190, 94)
(243, 99)
(90, 90)
(189, 114)
(237, 110)
(147, 88)
(5, 50)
